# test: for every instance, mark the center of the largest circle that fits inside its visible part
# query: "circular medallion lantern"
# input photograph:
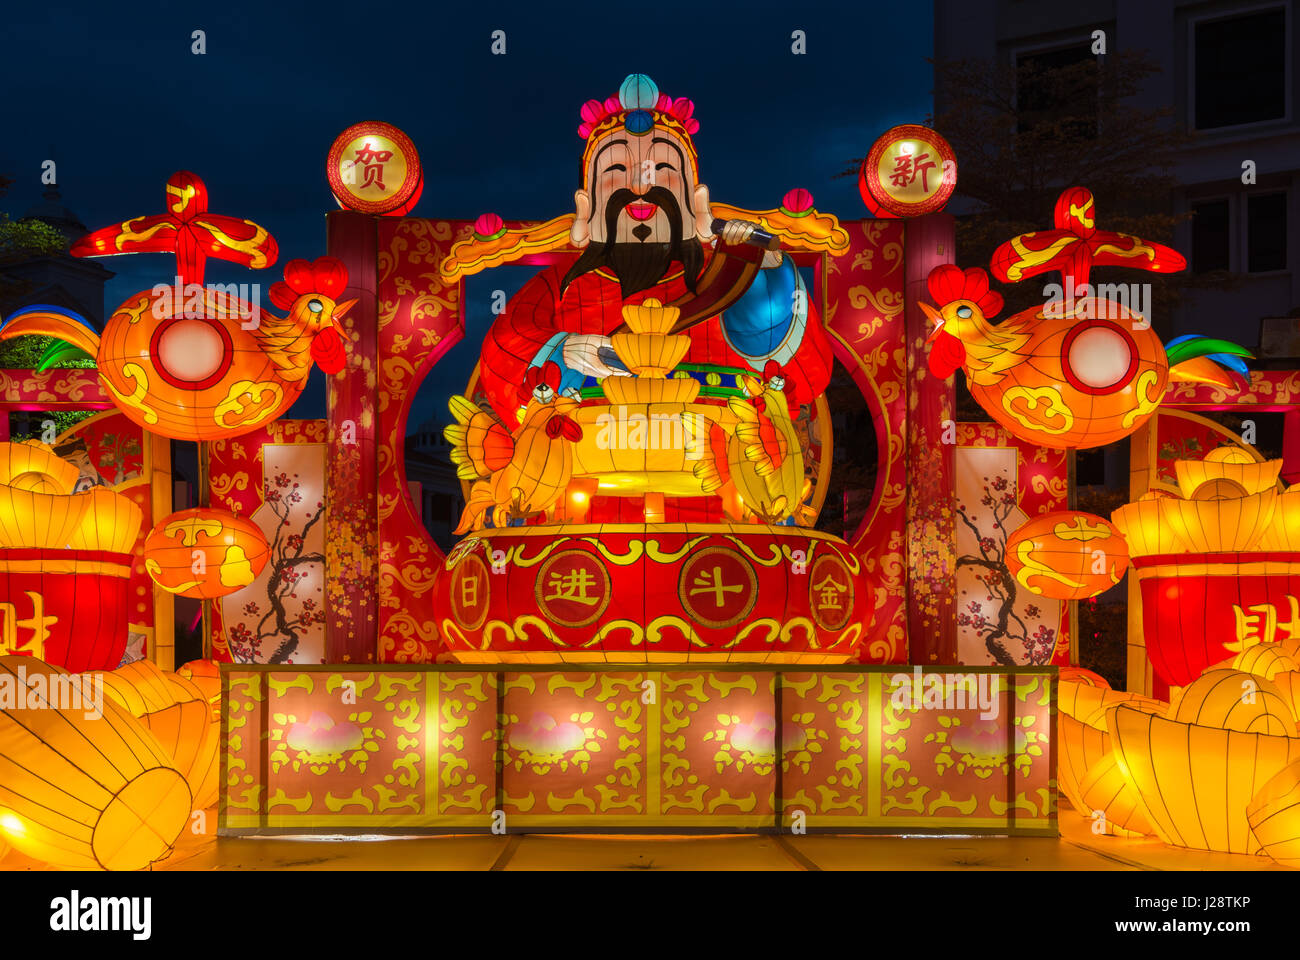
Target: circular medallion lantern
(205, 553)
(373, 167)
(1067, 555)
(910, 171)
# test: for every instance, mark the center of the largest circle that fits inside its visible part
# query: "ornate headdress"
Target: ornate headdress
(639, 109)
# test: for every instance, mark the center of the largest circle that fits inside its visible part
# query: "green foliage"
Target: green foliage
(25, 353)
(20, 239)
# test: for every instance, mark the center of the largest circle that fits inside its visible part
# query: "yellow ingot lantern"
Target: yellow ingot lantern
(205, 553)
(1146, 528)
(1067, 555)
(1197, 781)
(80, 790)
(177, 712)
(1274, 817)
(32, 465)
(1083, 741)
(1106, 790)
(1234, 700)
(110, 521)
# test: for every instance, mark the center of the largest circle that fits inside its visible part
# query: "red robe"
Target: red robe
(593, 304)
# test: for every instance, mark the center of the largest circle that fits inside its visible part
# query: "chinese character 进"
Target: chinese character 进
(571, 586)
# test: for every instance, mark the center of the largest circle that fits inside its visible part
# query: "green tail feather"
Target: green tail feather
(58, 351)
(1203, 347)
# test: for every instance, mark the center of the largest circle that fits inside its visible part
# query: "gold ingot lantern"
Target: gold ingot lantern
(651, 352)
(38, 508)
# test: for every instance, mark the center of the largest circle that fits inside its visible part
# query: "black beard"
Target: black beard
(641, 265)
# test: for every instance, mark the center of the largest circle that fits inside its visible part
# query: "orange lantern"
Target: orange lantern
(205, 553)
(206, 675)
(1067, 555)
(177, 712)
(79, 788)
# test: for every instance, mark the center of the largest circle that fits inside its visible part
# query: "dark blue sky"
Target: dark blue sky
(114, 95)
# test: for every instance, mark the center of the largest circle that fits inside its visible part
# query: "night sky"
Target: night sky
(114, 95)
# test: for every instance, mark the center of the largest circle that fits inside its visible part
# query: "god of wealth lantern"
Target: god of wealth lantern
(64, 562)
(640, 446)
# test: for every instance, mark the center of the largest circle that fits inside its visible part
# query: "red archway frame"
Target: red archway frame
(381, 564)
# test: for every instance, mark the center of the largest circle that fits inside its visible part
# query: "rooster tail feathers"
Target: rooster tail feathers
(706, 445)
(480, 443)
(1198, 359)
(64, 325)
(1224, 352)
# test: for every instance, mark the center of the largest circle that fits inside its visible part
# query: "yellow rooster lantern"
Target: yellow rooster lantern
(520, 474)
(762, 455)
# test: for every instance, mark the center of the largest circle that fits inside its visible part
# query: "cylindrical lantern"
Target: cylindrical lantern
(82, 789)
(1067, 555)
(205, 553)
(177, 712)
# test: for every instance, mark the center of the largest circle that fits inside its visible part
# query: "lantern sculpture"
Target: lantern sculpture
(1198, 769)
(205, 553)
(1083, 740)
(1274, 816)
(1082, 370)
(82, 790)
(1216, 566)
(178, 713)
(206, 675)
(64, 561)
(1067, 555)
(199, 363)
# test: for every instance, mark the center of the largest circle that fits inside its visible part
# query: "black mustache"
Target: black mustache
(661, 196)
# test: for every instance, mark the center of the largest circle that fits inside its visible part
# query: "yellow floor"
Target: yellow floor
(1076, 849)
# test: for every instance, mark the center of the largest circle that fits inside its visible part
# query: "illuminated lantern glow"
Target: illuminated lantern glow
(84, 792)
(1067, 555)
(1196, 780)
(1082, 370)
(206, 675)
(1083, 741)
(178, 714)
(910, 171)
(1274, 816)
(195, 362)
(1105, 788)
(64, 561)
(373, 167)
(1213, 562)
(205, 553)
(1234, 700)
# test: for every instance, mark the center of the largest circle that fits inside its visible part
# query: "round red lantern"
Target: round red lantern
(205, 553)
(1067, 555)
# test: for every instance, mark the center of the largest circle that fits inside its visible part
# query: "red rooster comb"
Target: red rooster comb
(325, 276)
(548, 373)
(948, 283)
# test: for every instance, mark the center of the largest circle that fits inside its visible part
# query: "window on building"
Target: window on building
(1058, 85)
(1266, 232)
(1240, 69)
(1210, 236)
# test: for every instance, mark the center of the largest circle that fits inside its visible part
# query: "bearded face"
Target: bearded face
(644, 210)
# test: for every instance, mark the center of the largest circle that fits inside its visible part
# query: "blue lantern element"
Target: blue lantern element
(639, 122)
(638, 92)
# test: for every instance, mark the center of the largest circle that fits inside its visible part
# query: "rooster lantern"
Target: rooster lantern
(1075, 373)
(191, 362)
(521, 474)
